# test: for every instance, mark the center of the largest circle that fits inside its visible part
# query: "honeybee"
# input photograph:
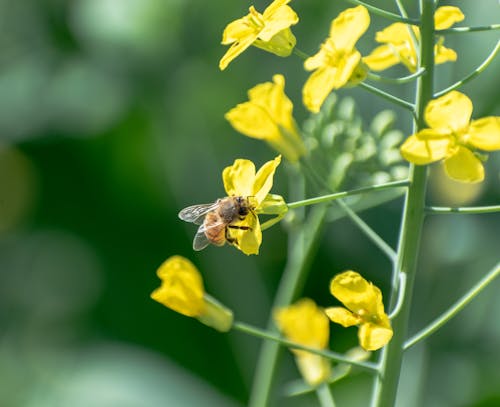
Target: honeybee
(217, 219)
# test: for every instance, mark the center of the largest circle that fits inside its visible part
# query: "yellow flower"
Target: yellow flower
(268, 116)
(452, 137)
(182, 290)
(240, 179)
(269, 31)
(306, 324)
(364, 308)
(337, 60)
(399, 46)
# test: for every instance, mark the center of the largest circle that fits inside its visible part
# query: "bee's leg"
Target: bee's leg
(233, 240)
(239, 227)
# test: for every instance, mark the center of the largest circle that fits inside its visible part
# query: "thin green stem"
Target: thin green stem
(386, 384)
(382, 13)
(403, 79)
(401, 290)
(456, 30)
(369, 232)
(302, 243)
(397, 101)
(280, 341)
(473, 74)
(300, 54)
(332, 197)
(325, 396)
(455, 308)
(404, 14)
(443, 210)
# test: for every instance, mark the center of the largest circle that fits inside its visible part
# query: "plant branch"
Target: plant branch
(473, 74)
(454, 309)
(369, 232)
(337, 357)
(325, 395)
(456, 30)
(382, 13)
(332, 197)
(443, 210)
(403, 79)
(397, 101)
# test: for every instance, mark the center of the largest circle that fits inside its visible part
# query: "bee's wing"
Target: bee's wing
(200, 240)
(196, 213)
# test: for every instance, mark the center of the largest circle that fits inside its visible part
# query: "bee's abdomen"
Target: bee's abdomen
(215, 231)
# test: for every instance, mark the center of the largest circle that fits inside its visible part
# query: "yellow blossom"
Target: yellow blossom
(268, 116)
(182, 291)
(305, 323)
(364, 307)
(337, 61)
(241, 179)
(269, 31)
(399, 46)
(452, 137)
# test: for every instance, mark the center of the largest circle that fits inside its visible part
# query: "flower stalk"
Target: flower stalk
(386, 385)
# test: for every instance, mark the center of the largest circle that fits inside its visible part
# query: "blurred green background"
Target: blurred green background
(111, 121)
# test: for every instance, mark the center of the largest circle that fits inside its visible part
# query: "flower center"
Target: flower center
(332, 54)
(256, 19)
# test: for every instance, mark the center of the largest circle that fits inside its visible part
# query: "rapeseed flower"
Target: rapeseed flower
(337, 61)
(269, 31)
(182, 291)
(268, 116)
(364, 308)
(241, 179)
(453, 138)
(305, 323)
(399, 45)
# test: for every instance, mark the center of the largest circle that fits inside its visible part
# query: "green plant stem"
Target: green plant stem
(456, 30)
(443, 210)
(386, 384)
(397, 101)
(301, 246)
(280, 341)
(325, 396)
(332, 197)
(382, 13)
(455, 308)
(300, 54)
(473, 74)
(403, 79)
(369, 232)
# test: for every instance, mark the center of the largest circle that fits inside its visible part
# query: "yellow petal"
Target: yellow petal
(424, 151)
(305, 323)
(277, 19)
(348, 27)
(317, 87)
(452, 110)
(252, 120)
(181, 288)
(247, 234)
(397, 33)
(485, 133)
(239, 178)
(236, 49)
(313, 368)
(381, 58)
(317, 60)
(342, 316)
(352, 290)
(321, 82)
(443, 54)
(238, 30)
(464, 166)
(446, 16)
(264, 180)
(373, 337)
